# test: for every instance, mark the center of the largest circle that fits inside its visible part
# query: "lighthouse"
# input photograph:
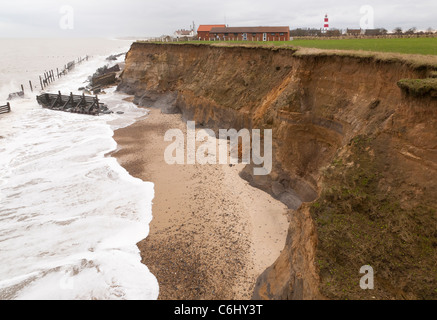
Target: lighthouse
(326, 24)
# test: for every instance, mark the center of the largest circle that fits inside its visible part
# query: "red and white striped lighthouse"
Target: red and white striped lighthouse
(326, 25)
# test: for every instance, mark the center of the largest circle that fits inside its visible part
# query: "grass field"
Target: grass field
(425, 46)
(407, 45)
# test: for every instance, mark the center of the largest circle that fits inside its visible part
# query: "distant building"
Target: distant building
(354, 32)
(366, 32)
(184, 34)
(375, 32)
(203, 32)
(306, 32)
(251, 33)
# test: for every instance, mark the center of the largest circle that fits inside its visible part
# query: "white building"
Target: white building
(184, 34)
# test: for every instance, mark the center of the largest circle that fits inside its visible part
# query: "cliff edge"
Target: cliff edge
(355, 156)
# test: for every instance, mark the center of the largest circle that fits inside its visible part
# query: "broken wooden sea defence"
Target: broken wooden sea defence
(72, 103)
(5, 109)
(49, 76)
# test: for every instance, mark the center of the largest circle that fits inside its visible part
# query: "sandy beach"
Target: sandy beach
(212, 234)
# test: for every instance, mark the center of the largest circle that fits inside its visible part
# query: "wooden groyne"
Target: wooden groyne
(72, 103)
(5, 109)
(50, 76)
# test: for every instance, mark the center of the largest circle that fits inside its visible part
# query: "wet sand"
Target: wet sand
(212, 234)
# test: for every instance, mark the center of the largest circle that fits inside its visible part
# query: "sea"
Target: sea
(70, 215)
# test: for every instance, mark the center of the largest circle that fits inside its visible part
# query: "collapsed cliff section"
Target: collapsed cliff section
(355, 157)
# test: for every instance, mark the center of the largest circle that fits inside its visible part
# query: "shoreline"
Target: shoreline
(212, 234)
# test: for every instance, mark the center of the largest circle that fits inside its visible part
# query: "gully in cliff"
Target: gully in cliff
(207, 152)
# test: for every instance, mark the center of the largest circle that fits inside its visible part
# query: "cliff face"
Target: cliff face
(355, 159)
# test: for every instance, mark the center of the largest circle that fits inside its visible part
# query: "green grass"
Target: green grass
(418, 53)
(418, 87)
(362, 219)
(425, 46)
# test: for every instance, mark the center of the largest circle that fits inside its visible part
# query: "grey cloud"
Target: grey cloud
(27, 18)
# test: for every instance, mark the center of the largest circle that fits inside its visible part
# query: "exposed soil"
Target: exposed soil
(349, 144)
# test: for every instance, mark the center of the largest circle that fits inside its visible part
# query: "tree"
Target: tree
(397, 30)
(430, 30)
(411, 30)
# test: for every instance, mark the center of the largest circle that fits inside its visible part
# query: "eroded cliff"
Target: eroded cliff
(355, 157)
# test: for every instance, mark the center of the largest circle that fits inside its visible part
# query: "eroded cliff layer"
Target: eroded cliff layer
(355, 157)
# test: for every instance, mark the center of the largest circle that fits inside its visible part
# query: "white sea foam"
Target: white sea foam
(70, 217)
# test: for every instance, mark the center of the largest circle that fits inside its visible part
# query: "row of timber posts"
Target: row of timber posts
(72, 103)
(50, 76)
(47, 78)
(5, 109)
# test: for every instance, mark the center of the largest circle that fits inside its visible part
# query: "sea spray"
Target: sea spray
(71, 216)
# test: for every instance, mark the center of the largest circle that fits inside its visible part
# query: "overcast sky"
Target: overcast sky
(109, 18)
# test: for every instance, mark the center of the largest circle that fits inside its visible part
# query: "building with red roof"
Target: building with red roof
(204, 30)
(250, 33)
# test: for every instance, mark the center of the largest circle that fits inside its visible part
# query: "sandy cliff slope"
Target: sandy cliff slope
(355, 157)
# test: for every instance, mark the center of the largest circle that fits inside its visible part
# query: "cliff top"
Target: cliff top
(416, 61)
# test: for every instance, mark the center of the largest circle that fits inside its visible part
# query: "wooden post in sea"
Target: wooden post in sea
(40, 81)
(30, 84)
(22, 88)
(97, 102)
(9, 106)
(57, 72)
